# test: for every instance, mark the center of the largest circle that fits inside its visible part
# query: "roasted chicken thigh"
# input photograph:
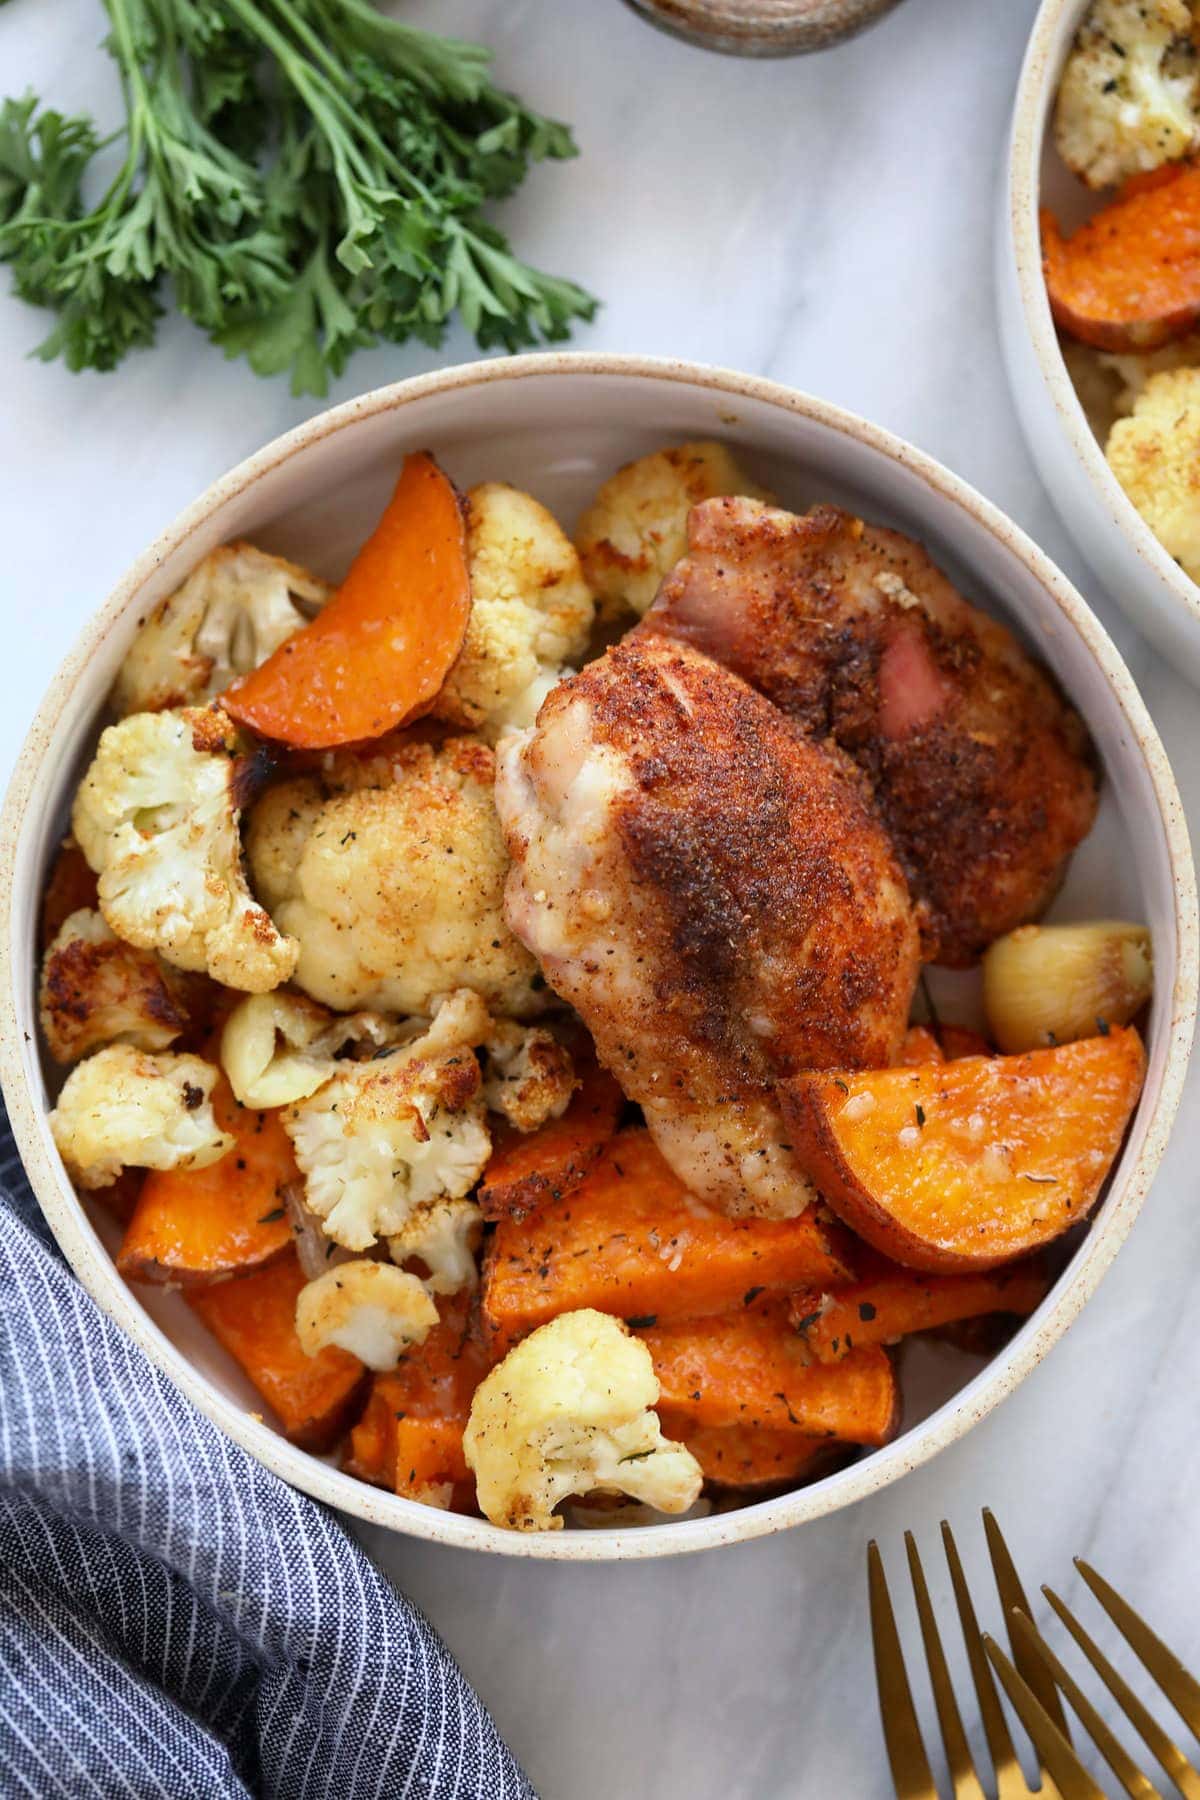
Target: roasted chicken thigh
(713, 892)
(982, 773)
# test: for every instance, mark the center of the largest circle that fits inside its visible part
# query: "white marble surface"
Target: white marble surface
(826, 222)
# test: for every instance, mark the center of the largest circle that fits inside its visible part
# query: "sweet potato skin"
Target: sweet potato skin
(197, 1225)
(744, 1459)
(751, 1371)
(632, 1241)
(528, 1170)
(973, 1163)
(377, 655)
(1129, 278)
(893, 1304)
(254, 1318)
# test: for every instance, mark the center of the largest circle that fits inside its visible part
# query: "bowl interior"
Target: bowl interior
(558, 430)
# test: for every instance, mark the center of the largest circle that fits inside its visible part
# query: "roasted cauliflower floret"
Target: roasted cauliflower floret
(635, 530)
(96, 989)
(233, 610)
(445, 1236)
(1155, 455)
(125, 1108)
(568, 1411)
(1127, 97)
(371, 1309)
(531, 612)
(1132, 370)
(382, 1138)
(157, 817)
(529, 1076)
(389, 871)
(280, 1047)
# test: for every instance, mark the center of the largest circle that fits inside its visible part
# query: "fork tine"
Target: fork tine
(1057, 1756)
(1012, 1599)
(958, 1753)
(1136, 1785)
(1180, 1688)
(1164, 1750)
(906, 1750)
(1010, 1782)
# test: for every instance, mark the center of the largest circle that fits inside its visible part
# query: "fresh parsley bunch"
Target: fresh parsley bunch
(306, 176)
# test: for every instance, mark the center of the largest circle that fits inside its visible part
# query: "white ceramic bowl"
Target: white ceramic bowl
(558, 424)
(1160, 599)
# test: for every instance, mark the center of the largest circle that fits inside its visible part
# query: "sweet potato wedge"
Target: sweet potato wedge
(920, 1046)
(376, 656)
(960, 1040)
(70, 886)
(196, 1225)
(1129, 278)
(416, 1412)
(631, 1240)
(751, 1370)
(741, 1457)
(969, 1164)
(254, 1318)
(531, 1169)
(897, 1302)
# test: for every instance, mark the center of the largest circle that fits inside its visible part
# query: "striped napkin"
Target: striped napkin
(173, 1619)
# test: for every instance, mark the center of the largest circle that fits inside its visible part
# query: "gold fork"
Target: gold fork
(1031, 1679)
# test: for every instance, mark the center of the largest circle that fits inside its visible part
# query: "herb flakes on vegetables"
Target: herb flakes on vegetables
(307, 176)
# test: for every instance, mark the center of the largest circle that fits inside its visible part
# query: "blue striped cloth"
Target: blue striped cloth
(173, 1619)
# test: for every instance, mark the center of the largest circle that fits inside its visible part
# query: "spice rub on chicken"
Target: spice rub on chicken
(714, 895)
(982, 774)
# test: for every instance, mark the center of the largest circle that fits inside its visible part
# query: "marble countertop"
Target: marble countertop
(826, 222)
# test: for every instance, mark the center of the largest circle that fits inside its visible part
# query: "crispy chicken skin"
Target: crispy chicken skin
(982, 773)
(713, 894)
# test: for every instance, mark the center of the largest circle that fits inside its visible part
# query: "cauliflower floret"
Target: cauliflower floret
(531, 613)
(157, 816)
(568, 1412)
(371, 1309)
(444, 1235)
(125, 1108)
(383, 1137)
(1155, 455)
(389, 871)
(635, 530)
(232, 611)
(1127, 98)
(1134, 369)
(530, 1076)
(280, 1047)
(96, 989)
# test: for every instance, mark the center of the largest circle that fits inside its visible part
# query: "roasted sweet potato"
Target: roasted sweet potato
(532, 1169)
(1129, 278)
(196, 1225)
(376, 656)
(920, 1046)
(969, 1164)
(741, 1457)
(960, 1040)
(415, 1416)
(750, 1369)
(70, 886)
(631, 1240)
(120, 1197)
(896, 1302)
(254, 1318)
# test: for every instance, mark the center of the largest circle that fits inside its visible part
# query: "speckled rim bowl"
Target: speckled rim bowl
(1142, 577)
(557, 422)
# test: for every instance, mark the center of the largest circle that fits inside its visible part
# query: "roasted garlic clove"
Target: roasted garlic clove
(1051, 984)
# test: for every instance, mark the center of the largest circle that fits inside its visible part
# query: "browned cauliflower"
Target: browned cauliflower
(157, 817)
(635, 530)
(371, 1309)
(389, 872)
(1155, 455)
(529, 1076)
(233, 610)
(280, 1047)
(444, 1236)
(125, 1108)
(1127, 97)
(531, 613)
(96, 989)
(384, 1137)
